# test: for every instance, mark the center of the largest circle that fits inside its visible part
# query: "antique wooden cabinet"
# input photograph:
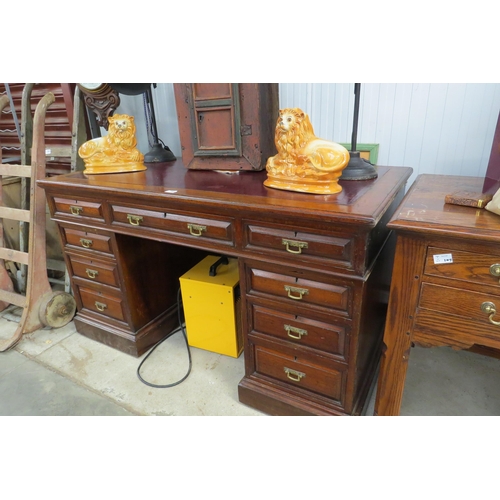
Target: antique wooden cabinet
(314, 271)
(227, 126)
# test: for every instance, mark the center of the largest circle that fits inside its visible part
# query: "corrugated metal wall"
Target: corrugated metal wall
(441, 128)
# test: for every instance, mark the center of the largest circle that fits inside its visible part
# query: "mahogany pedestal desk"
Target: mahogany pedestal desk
(445, 284)
(314, 271)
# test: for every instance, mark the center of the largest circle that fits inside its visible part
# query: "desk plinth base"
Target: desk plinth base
(263, 397)
(134, 344)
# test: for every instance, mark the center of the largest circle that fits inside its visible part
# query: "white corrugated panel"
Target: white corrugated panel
(433, 128)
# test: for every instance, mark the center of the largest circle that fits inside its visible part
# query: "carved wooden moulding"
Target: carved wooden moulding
(304, 162)
(226, 126)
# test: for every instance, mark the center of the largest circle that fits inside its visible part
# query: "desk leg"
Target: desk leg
(403, 299)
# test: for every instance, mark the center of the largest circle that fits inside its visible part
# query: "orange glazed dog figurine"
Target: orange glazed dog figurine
(304, 162)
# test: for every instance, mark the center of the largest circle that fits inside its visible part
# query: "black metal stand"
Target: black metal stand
(357, 169)
(158, 153)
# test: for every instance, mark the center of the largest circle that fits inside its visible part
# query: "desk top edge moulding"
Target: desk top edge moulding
(304, 162)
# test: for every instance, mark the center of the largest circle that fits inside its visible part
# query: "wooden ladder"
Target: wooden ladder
(41, 307)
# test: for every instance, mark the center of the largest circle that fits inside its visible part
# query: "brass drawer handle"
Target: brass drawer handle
(91, 273)
(294, 374)
(291, 243)
(135, 220)
(196, 230)
(75, 210)
(293, 289)
(100, 306)
(292, 329)
(495, 270)
(86, 243)
(489, 308)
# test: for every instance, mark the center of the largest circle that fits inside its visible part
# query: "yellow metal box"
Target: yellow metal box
(212, 309)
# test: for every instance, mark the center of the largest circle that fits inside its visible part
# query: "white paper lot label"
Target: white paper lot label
(443, 258)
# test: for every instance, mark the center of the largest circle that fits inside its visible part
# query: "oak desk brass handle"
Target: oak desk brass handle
(196, 229)
(75, 210)
(86, 243)
(135, 220)
(293, 289)
(294, 374)
(489, 308)
(91, 273)
(292, 243)
(100, 306)
(495, 270)
(298, 331)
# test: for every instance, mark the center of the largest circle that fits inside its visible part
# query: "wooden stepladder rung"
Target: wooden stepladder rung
(15, 170)
(14, 255)
(13, 298)
(15, 214)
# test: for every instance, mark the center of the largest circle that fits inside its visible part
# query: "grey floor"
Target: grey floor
(60, 372)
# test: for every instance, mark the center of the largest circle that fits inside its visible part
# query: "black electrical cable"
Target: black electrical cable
(181, 328)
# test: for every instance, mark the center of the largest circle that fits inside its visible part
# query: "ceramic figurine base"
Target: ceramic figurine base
(304, 162)
(115, 169)
(327, 186)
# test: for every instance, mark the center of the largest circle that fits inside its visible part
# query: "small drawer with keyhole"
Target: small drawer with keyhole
(93, 269)
(87, 240)
(78, 208)
(300, 331)
(302, 373)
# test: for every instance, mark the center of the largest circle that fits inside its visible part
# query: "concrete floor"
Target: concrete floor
(60, 372)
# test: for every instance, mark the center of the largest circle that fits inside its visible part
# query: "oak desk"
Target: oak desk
(314, 271)
(446, 267)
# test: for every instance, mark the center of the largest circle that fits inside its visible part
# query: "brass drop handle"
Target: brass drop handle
(299, 291)
(135, 220)
(91, 273)
(75, 210)
(489, 308)
(86, 243)
(495, 270)
(291, 243)
(294, 374)
(100, 306)
(299, 332)
(196, 229)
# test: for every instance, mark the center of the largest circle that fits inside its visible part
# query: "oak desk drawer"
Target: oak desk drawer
(78, 208)
(463, 266)
(102, 303)
(300, 330)
(300, 244)
(176, 222)
(94, 270)
(303, 374)
(88, 240)
(300, 290)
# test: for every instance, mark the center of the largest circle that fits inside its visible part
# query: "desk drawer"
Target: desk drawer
(94, 270)
(87, 240)
(300, 244)
(456, 315)
(300, 290)
(464, 266)
(300, 330)
(78, 208)
(102, 303)
(176, 222)
(301, 373)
